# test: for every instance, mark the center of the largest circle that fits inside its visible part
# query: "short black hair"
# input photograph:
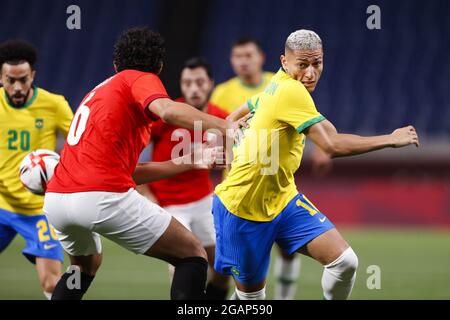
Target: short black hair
(198, 62)
(16, 52)
(139, 49)
(246, 40)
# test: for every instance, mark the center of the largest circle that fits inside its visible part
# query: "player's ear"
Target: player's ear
(33, 74)
(283, 61)
(115, 67)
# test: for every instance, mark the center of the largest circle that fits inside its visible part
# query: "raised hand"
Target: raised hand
(405, 136)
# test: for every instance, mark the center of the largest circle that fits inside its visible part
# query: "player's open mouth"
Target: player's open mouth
(18, 99)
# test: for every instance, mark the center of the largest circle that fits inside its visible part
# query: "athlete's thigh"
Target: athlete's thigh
(199, 222)
(183, 216)
(130, 220)
(325, 248)
(301, 222)
(175, 243)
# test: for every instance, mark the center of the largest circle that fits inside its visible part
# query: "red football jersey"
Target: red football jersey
(188, 186)
(107, 134)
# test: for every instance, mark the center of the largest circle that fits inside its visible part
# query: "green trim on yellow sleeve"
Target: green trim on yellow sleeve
(309, 123)
(250, 105)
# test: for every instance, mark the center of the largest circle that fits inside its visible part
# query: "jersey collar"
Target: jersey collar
(252, 86)
(28, 103)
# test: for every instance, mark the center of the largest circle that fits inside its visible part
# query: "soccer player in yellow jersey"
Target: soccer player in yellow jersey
(247, 60)
(258, 204)
(30, 119)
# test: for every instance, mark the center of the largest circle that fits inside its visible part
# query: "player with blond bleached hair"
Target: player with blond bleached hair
(255, 208)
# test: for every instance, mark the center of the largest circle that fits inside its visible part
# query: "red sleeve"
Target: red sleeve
(156, 129)
(216, 111)
(146, 89)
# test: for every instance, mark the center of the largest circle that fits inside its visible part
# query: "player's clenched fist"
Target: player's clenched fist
(405, 136)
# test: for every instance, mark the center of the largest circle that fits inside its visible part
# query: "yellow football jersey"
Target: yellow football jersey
(261, 180)
(233, 93)
(22, 130)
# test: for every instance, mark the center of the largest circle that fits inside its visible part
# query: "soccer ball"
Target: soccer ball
(37, 168)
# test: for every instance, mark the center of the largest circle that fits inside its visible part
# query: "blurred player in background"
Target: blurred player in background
(92, 192)
(188, 196)
(30, 119)
(258, 205)
(247, 60)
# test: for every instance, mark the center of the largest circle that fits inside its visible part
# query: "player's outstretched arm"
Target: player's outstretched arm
(325, 136)
(153, 171)
(184, 115)
(206, 157)
(239, 113)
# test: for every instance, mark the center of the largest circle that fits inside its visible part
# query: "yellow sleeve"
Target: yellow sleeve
(297, 108)
(64, 116)
(216, 96)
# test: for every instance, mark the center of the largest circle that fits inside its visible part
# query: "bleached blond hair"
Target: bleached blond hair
(303, 40)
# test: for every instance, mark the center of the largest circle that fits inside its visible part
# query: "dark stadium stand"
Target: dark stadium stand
(374, 80)
(71, 62)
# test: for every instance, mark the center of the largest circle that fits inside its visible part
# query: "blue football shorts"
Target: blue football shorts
(40, 237)
(243, 246)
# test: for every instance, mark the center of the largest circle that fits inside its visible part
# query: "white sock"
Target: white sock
(258, 295)
(48, 295)
(339, 276)
(286, 274)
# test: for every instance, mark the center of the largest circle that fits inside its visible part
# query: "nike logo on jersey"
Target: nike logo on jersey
(322, 219)
(49, 246)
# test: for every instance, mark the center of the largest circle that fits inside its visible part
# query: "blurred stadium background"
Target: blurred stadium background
(393, 206)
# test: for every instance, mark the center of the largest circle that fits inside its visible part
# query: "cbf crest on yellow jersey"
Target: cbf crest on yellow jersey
(261, 181)
(33, 126)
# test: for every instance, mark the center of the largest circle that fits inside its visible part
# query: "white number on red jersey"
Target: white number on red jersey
(79, 122)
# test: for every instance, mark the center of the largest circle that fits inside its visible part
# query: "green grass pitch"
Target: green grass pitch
(414, 263)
